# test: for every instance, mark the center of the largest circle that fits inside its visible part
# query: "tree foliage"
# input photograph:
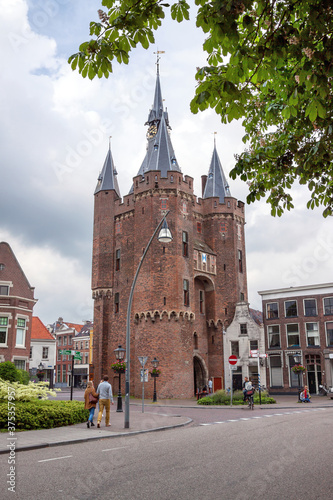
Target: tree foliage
(269, 64)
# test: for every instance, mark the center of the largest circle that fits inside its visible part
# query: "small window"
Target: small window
(45, 353)
(3, 330)
(310, 307)
(30, 355)
(164, 301)
(118, 259)
(240, 261)
(20, 332)
(87, 344)
(242, 298)
(223, 227)
(118, 227)
(234, 345)
(328, 305)
(65, 340)
(59, 341)
(81, 344)
(70, 339)
(195, 341)
(2, 267)
(274, 341)
(290, 308)
(171, 178)
(116, 302)
(293, 335)
(199, 227)
(243, 328)
(329, 333)
(253, 345)
(19, 364)
(186, 293)
(312, 334)
(143, 210)
(185, 244)
(4, 290)
(272, 310)
(201, 301)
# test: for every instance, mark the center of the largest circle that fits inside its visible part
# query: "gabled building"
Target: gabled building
(245, 335)
(16, 308)
(187, 290)
(82, 344)
(64, 334)
(42, 352)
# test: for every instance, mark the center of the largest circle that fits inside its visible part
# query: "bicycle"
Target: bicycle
(249, 398)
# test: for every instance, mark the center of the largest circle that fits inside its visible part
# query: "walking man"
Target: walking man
(104, 390)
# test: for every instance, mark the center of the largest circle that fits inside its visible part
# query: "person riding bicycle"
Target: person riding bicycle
(248, 389)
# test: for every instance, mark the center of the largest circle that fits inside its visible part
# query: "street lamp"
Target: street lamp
(164, 237)
(119, 353)
(297, 359)
(40, 373)
(154, 374)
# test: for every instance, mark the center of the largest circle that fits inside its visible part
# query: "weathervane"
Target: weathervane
(158, 59)
(214, 133)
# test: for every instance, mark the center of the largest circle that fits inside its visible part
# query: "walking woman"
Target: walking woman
(90, 401)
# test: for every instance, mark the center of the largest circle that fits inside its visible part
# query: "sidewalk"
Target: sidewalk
(139, 423)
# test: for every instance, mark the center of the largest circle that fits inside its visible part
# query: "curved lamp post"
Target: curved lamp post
(154, 374)
(164, 237)
(119, 353)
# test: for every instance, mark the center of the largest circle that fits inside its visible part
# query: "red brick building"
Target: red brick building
(64, 334)
(186, 290)
(16, 308)
(299, 321)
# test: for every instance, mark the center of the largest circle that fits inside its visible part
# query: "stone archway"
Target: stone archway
(199, 374)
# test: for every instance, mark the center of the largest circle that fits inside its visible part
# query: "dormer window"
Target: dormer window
(173, 161)
(155, 147)
(210, 176)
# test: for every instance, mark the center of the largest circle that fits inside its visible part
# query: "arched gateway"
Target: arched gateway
(200, 373)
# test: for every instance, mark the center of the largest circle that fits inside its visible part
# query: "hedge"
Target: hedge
(43, 414)
(222, 398)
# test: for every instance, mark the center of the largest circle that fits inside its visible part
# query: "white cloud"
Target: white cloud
(55, 129)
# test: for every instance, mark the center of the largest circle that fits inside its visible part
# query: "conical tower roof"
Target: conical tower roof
(216, 184)
(160, 154)
(107, 179)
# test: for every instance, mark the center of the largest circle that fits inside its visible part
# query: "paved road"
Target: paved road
(284, 455)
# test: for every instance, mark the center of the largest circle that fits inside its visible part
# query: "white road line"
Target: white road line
(118, 448)
(57, 458)
(268, 416)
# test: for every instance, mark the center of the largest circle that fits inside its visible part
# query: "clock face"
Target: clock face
(151, 131)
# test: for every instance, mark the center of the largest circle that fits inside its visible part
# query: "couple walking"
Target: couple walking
(103, 396)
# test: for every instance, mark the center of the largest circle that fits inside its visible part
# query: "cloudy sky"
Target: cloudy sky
(55, 128)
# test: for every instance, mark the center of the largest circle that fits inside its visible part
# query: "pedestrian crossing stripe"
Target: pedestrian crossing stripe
(262, 416)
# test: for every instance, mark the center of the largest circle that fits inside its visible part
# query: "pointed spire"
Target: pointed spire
(160, 154)
(216, 184)
(107, 180)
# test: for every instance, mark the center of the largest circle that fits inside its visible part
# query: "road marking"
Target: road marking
(57, 458)
(262, 416)
(118, 448)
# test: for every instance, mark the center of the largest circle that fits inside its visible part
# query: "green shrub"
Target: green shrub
(9, 372)
(23, 377)
(222, 398)
(44, 414)
(21, 392)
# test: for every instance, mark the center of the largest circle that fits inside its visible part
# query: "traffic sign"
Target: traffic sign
(233, 359)
(65, 351)
(233, 367)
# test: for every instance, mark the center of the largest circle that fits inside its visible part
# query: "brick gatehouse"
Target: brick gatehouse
(186, 291)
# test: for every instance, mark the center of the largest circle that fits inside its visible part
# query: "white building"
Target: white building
(42, 352)
(243, 335)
